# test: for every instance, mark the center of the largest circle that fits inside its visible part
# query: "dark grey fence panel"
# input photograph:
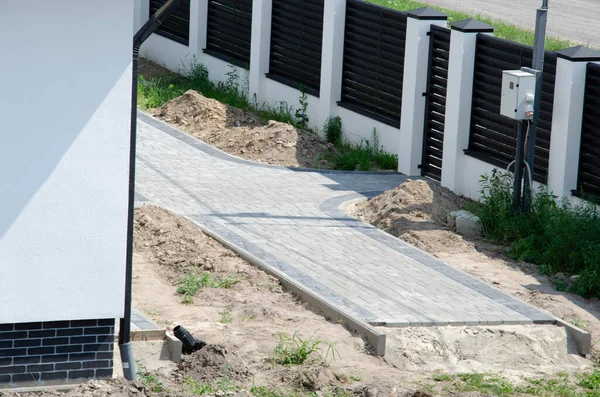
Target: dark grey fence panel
(373, 61)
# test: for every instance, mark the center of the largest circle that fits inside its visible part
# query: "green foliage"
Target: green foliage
(295, 351)
(192, 283)
(365, 156)
(584, 385)
(197, 388)
(301, 115)
(502, 29)
(226, 317)
(155, 92)
(149, 379)
(263, 391)
(557, 235)
(333, 130)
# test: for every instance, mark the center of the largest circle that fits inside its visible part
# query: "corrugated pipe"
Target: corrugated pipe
(149, 27)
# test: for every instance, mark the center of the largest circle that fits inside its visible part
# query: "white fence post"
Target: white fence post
(332, 62)
(459, 94)
(416, 61)
(260, 47)
(198, 22)
(567, 118)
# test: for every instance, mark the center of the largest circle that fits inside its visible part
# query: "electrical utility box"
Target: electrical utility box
(518, 90)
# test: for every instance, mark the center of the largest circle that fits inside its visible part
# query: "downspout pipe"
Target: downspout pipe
(145, 31)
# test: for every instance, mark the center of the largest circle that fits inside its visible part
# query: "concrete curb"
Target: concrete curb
(175, 347)
(583, 339)
(375, 338)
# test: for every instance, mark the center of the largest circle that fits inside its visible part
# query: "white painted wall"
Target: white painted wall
(358, 128)
(64, 111)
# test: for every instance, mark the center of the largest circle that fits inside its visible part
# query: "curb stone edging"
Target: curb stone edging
(375, 338)
(583, 339)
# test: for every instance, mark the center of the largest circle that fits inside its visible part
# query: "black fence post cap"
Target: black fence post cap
(472, 26)
(427, 13)
(579, 54)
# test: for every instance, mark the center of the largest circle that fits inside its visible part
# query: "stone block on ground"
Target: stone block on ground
(466, 223)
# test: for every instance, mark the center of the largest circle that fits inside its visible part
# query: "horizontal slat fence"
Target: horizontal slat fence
(229, 30)
(493, 137)
(296, 43)
(177, 25)
(589, 155)
(374, 45)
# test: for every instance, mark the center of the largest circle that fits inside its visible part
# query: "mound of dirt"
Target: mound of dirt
(212, 363)
(179, 246)
(242, 134)
(516, 350)
(198, 114)
(416, 212)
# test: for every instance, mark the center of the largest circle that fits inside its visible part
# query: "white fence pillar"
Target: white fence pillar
(459, 94)
(332, 62)
(198, 22)
(260, 47)
(416, 61)
(567, 118)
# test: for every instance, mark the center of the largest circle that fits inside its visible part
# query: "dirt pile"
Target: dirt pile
(416, 212)
(178, 246)
(240, 133)
(212, 363)
(199, 115)
(516, 350)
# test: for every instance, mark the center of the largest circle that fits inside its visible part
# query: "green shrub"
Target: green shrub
(333, 130)
(557, 235)
(293, 350)
(365, 156)
(301, 113)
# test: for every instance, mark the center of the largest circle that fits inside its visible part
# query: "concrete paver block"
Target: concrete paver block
(465, 223)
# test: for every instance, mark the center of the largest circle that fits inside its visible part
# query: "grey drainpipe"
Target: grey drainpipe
(125, 325)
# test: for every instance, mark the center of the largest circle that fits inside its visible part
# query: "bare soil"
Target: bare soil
(415, 212)
(260, 311)
(240, 133)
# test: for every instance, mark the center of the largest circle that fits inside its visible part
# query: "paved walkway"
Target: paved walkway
(291, 221)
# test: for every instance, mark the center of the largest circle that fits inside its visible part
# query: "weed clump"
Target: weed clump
(293, 350)
(192, 283)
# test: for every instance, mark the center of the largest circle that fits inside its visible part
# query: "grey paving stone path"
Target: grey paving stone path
(291, 220)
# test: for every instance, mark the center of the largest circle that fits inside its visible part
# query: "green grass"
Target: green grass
(189, 285)
(149, 379)
(557, 235)
(226, 317)
(366, 156)
(561, 385)
(502, 29)
(155, 92)
(293, 350)
(333, 130)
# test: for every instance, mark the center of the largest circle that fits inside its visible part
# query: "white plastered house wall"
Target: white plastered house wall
(64, 161)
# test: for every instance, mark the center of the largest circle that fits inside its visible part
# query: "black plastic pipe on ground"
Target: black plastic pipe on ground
(149, 27)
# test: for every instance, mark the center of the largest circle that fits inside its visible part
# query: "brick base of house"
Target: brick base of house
(56, 352)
